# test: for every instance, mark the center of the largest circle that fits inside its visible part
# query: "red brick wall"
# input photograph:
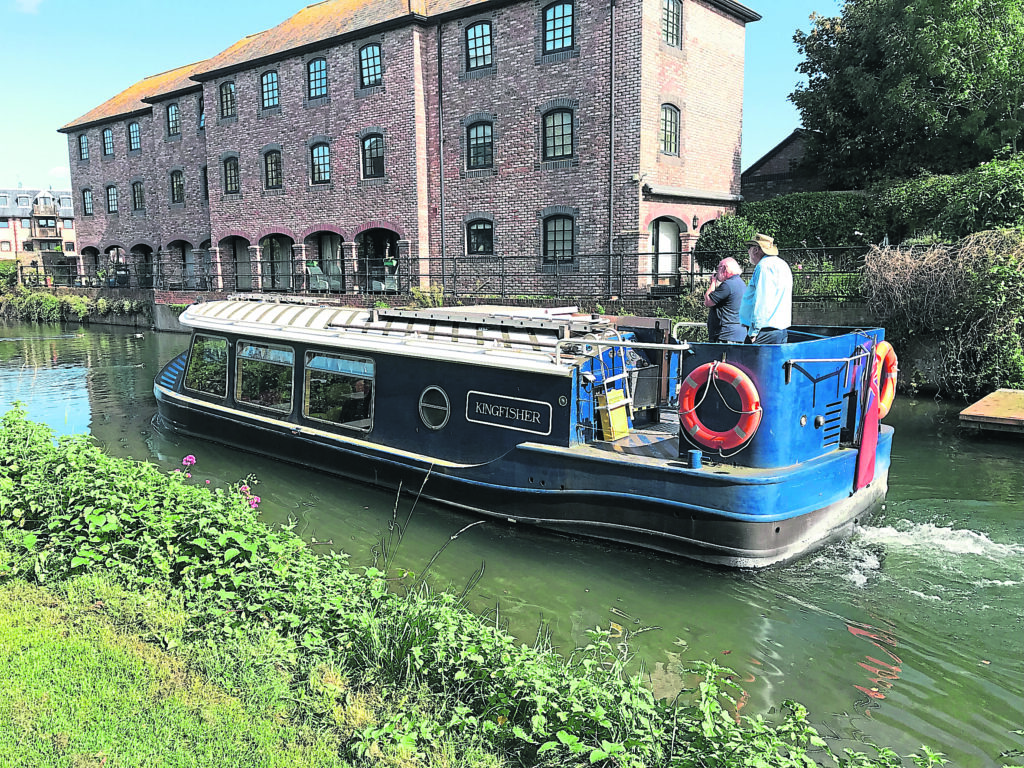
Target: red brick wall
(427, 189)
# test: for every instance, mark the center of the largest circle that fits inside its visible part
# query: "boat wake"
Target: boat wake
(928, 537)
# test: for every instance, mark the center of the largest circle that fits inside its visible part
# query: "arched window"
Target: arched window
(177, 187)
(320, 162)
(669, 129)
(173, 120)
(373, 156)
(111, 199)
(317, 78)
(269, 88)
(480, 238)
(478, 46)
(559, 239)
(83, 147)
(138, 199)
(370, 70)
(479, 146)
(134, 137)
(108, 141)
(87, 202)
(558, 140)
(272, 175)
(672, 22)
(558, 29)
(232, 184)
(202, 113)
(227, 100)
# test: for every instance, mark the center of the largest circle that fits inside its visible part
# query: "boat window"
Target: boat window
(339, 390)
(435, 409)
(208, 366)
(263, 375)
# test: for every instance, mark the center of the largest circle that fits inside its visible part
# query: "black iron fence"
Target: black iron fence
(818, 274)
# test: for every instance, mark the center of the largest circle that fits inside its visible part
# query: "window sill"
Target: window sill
(318, 101)
(176, 206)
(227, 120)
(556, 56)
(173, 137)
(227, 196)
(362, 93)
(479, 173)
(274, 191)
(321, 186)
(478, 74)
(554, 165)
(376, 181)
(270, 112)
(569, 266)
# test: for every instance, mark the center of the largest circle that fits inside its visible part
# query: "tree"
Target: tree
(896, 87)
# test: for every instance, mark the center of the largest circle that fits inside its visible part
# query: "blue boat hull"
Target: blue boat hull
(736, 516)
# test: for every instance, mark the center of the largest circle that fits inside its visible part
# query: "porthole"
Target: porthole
(435, 409)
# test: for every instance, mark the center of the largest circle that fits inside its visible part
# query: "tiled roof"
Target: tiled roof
(130, 100)
(325, 21)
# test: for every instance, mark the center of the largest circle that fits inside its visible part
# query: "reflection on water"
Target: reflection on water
(908, 634)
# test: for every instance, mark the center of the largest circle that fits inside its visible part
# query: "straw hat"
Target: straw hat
(765, 243)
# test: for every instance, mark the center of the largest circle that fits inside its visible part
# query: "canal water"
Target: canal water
(911, 633)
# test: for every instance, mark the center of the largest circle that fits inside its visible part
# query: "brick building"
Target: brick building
(477, 145)
(781, 171)
(37, 225)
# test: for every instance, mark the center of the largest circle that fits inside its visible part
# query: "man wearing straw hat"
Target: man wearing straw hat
(767, 306)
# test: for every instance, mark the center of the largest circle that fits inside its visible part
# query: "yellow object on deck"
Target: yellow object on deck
(1002, 411)
(614, 414)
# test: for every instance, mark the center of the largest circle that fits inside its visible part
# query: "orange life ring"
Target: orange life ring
(750, 403)
(885, 371)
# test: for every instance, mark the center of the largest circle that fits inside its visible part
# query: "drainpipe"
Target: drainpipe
(611, 136)
(440, 152)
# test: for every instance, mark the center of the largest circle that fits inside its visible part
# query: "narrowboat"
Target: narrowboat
(588, 425)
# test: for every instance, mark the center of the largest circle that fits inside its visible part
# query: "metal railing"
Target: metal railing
(818, 274)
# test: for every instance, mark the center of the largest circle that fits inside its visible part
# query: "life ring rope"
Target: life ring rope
(711, 374)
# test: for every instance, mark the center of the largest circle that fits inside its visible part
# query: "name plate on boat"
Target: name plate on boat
(509, 412)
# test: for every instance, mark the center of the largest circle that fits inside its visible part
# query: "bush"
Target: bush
(724, 236)
(911, 208)
(8, 275)
(67, 509)
(817, 219)
(967, 299)
(988, 197)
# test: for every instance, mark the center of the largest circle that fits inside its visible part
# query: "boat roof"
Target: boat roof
(524, 338)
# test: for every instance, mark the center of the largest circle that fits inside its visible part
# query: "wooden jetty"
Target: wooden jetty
(1002, 411)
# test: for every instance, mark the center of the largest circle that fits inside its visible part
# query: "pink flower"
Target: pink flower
(207, 482)
(188, 474)
(188, 461)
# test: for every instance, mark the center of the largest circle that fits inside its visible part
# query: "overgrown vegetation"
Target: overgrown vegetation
(385, 664)
(965, 299)
(927, 208)
(8, 275)
(46, 307)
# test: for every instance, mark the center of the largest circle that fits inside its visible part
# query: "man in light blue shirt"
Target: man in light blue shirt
(767, 306)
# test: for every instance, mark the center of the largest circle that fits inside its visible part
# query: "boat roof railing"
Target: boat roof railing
(562, 321)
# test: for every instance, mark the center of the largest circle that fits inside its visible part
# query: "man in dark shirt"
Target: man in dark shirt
(723, 298)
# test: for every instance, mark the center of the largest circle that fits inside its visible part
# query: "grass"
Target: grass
(82, 690)
(146, 620)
